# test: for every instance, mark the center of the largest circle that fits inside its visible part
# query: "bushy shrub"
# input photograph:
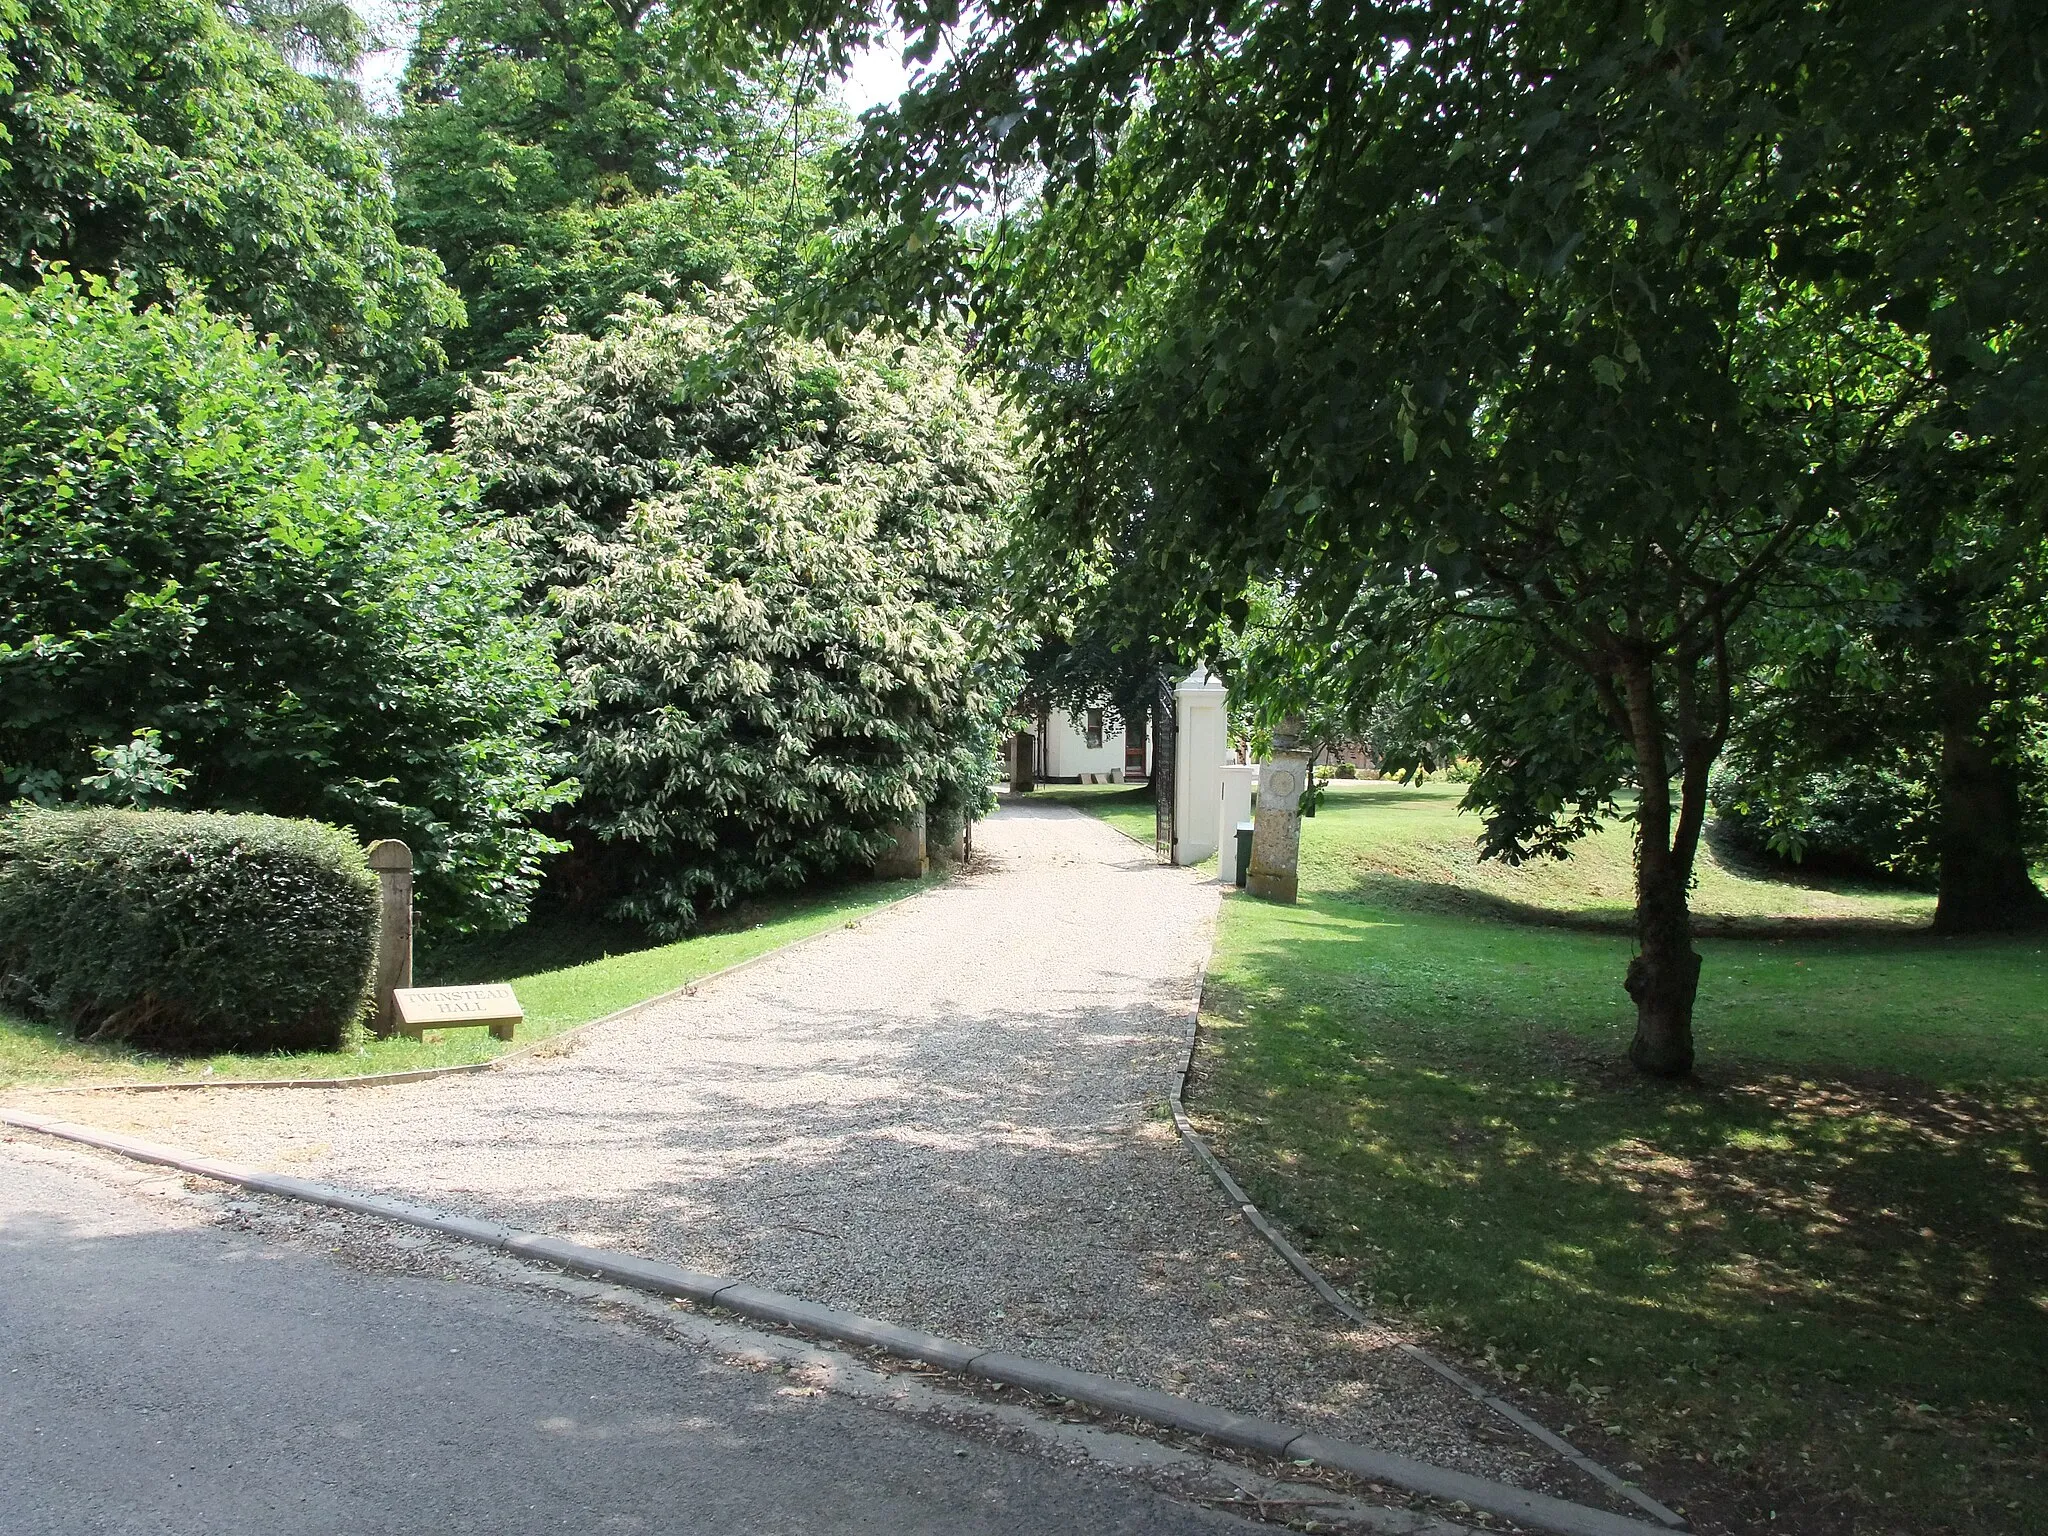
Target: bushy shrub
(1347, 770)
(201, 541)
(772, 567)
(186, 931)
(1868, 818)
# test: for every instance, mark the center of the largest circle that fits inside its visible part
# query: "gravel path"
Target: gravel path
(951, 1115)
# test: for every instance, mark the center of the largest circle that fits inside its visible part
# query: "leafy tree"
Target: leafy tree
(1924, 678)
(1534, 338)
(561, 155)
(772, 565)
(153, 138)
(1279, 670)
(206, 562)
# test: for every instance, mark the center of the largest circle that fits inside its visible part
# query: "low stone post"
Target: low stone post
(1237, 807)
(907, 858)
(393, 862)
(1022, 749)
(1276, 829)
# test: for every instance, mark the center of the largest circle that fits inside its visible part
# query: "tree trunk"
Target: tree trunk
(1664, 976)
(1985, 886)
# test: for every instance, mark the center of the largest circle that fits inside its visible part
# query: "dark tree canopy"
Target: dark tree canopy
(1928, 671)
(157, 137)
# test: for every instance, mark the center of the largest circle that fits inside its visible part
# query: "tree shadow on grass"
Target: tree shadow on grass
(1833, 1279)
(549, 942)
(1377, 888)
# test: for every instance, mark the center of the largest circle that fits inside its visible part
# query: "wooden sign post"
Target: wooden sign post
(423, 1008)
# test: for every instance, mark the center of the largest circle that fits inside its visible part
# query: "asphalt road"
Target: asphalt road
(162, 1374)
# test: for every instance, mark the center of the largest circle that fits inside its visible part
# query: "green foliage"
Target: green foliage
(1532, 344)
(156, 137)
(134, 773)
(1922, 673)
(560, 158)
(198, 540)
(1280, 670)
(191, 932)
(1861, 818)
(771, 562)
(324, 38)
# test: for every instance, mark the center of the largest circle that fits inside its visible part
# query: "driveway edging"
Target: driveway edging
(1537, 1510)
(1343, 1304)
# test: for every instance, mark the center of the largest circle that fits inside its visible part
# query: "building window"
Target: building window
(1094, 728)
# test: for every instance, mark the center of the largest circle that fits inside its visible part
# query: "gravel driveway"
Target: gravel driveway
(951, 1115)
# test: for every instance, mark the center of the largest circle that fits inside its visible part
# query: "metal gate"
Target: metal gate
(1165, 737)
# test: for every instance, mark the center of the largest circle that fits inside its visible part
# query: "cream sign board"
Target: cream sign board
(424, 1008)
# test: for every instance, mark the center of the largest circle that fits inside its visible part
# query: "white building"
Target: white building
(1092, 747)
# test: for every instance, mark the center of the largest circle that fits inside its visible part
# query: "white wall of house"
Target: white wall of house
(1067, 755)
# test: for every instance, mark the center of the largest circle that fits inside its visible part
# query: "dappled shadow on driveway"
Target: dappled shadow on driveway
(204, 1365)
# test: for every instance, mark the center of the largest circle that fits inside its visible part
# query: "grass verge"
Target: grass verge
(1812, 1283)
(566, 973)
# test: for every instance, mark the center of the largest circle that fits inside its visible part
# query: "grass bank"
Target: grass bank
(1811, 1284)
(566, 973)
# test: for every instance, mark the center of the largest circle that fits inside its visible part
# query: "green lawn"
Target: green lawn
(1126, 807)
(1815, 1280)
(565, 973)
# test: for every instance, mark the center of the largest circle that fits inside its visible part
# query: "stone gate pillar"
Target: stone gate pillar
(1022, 749)
(907, 858)
(1201, 743)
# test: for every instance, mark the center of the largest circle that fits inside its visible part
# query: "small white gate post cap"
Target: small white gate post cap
(1201, 681)
(389, 853)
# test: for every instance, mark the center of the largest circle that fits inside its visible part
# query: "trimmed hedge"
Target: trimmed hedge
(188, 932)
